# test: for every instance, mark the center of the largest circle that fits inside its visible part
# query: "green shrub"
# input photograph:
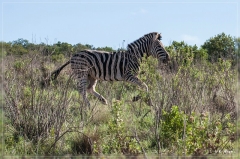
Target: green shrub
(53, 119)
(57, 58)
(19, 65)
(195, 134)
(172, 126)
(116, 140)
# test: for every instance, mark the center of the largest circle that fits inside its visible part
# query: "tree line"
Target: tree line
(220, 46)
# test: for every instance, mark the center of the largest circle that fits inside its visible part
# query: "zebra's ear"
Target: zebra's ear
(159, 37)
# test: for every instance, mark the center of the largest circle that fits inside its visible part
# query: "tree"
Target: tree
(237, 46)
(24, 43)
(220, 46)
(79, 47)
(106, 48)
(183, 52)
(63, 48)
(5, 47)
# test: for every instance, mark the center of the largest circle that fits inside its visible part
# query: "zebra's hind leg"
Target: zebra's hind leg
(91, 89)
(81, 85)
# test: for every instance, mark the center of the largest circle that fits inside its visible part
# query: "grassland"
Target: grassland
(191, 110)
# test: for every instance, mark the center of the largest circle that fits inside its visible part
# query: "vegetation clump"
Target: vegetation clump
(193, 103)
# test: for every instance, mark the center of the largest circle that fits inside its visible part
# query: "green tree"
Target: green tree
(182, 53)
(220, 46)
(24, 43)
(17, 47)
(106, 48)
(79, 47)
(237, 46)
(63, 48)
(5, 48)
(17, 50)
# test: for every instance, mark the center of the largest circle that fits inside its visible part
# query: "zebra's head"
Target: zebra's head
(157, 49)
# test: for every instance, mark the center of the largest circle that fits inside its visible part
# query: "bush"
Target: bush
(33, 112)
(195, 134)
(190, 108)
(117, 141)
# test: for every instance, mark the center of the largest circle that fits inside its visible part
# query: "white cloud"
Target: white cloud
(191, 40)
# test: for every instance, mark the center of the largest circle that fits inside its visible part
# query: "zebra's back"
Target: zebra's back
(99, 64)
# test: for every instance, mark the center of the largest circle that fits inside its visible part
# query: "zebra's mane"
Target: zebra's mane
(106, 52)
(143, 38)
(98, 51)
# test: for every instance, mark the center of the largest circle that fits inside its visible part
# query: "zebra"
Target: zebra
(89, 66)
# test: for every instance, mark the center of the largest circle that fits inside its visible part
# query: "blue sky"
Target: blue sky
(108, 23)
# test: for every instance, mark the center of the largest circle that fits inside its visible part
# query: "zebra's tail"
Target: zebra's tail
(53, 75)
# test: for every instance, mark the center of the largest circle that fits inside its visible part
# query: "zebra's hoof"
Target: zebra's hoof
(104, 101)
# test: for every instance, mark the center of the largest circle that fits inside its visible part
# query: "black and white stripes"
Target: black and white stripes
(89, 66)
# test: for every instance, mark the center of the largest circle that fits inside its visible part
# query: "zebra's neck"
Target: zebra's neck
(141, 46)
(138, 50)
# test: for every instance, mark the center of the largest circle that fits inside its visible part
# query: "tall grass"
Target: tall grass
(192, 112)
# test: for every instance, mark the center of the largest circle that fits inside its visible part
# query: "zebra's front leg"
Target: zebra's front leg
(135, 80)
(91, 89)
(81, 85)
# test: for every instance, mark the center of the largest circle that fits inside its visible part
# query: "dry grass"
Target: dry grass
(55, 115)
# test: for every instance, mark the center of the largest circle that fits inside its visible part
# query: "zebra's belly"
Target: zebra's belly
(107, 77)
